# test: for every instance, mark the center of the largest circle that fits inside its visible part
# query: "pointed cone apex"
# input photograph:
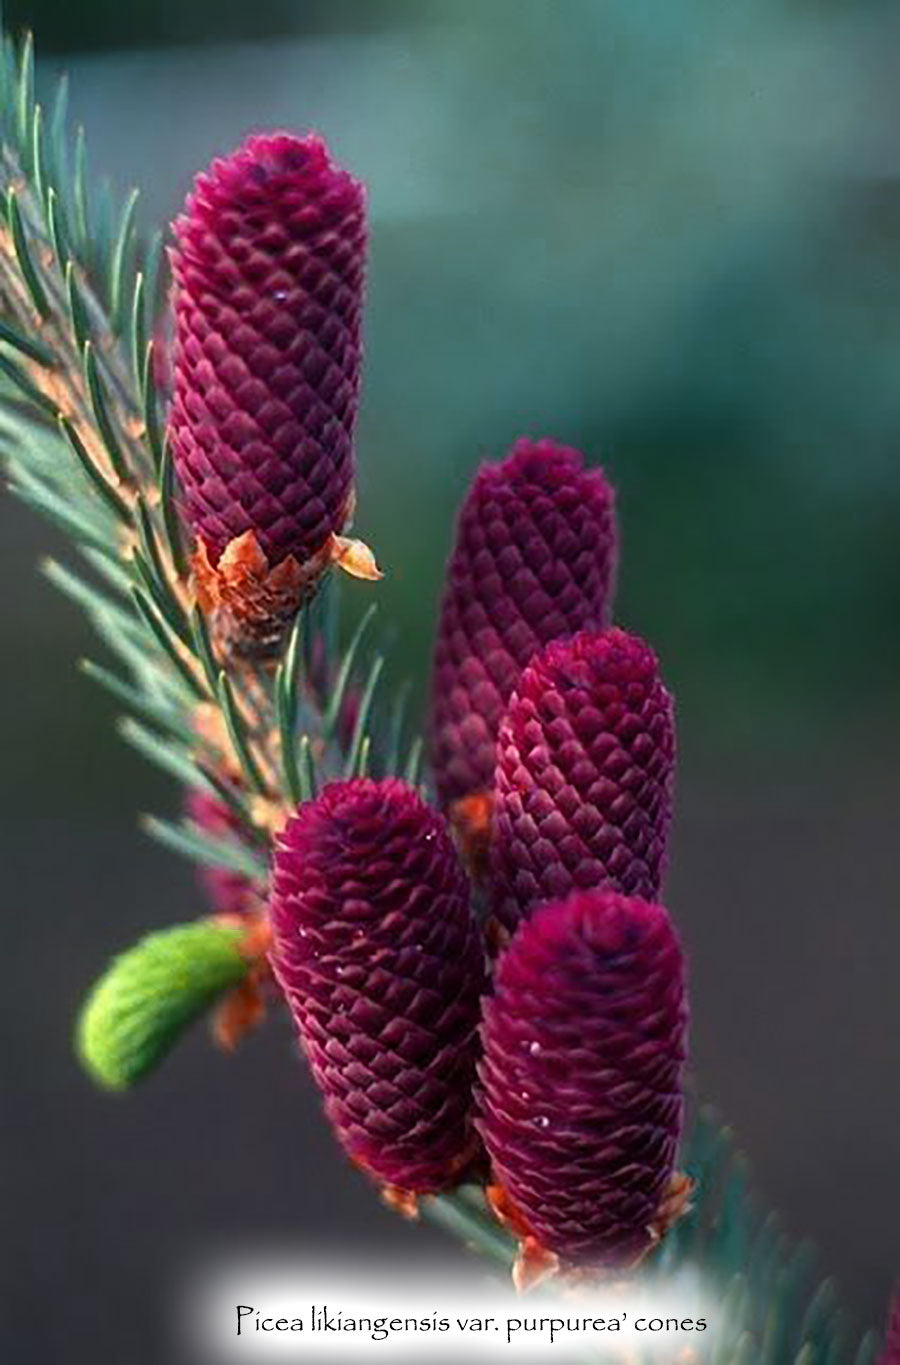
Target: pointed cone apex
(581, 1101)
(381, 961)
(534, 560)
(584, 776)
(268, 267)
(149, 995)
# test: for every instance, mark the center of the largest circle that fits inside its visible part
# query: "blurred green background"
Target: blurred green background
(668, 232)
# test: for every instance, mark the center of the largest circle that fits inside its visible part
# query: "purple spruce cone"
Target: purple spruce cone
(584, 777)
(269, 267)
(890, 1354)
(381, 960)
(534, 560)
(228, 893)
(268, 264)
(581, 1081)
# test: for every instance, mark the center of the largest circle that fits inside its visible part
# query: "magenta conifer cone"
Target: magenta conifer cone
(534, 560)
(891, 1353)
(268, 265)
(581, 1082)
(584, 776)
(229, 893)
(381, 961)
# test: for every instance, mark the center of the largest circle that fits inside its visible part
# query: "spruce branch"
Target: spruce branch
(68, 305)
(82, 438)
(84, 433)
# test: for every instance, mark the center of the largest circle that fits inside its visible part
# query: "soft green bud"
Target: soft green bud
(149, 995)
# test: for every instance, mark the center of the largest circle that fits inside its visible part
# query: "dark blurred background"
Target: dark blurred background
(667, 231)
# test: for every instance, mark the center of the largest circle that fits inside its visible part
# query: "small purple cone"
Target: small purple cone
(229, 893)
(268, 265)
(581, 1081)
(584, 777)
(534, 560)
(382, 964)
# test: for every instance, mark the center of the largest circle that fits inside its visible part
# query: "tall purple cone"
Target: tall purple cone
(581, 1080)
(534, 560)
(268, 265)
(381, 961)
(584, 776)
